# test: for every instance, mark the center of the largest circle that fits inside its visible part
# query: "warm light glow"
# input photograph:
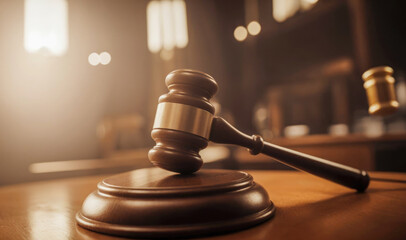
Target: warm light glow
(254, 28)
(46, 26)
(283, 9)
(307, 4)
(240, 33)
(214, 153)
(166, 25)
(154, 26)
(311, 1)
(105, 58)
(296, 131)
(94, 59)
(401, 92)
(180, 23)
(340, 129)
(166, 55)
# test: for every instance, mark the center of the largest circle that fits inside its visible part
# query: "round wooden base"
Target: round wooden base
(154, 203)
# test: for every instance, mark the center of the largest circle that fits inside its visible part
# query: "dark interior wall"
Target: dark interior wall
(295, 53)
(386, 24)
(233, 91)
(280, 51)
(304, 43)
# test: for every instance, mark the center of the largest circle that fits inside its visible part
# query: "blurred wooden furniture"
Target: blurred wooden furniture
(112, 129)
(214, 156)
(122, 147)
(307, 207)
(316, 96)
(355, 150)
(111, 132)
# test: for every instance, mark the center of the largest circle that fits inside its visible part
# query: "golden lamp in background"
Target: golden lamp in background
(379, 85)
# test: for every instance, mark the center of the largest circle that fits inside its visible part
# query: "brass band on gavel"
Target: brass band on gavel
(182, 117)
(379, 85)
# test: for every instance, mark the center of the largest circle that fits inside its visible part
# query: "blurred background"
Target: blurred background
(80, 80)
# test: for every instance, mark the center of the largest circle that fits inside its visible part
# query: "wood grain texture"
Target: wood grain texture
(307, 208)
(154, 203)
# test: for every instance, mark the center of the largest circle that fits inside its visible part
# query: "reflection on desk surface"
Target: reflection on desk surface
(306, 206)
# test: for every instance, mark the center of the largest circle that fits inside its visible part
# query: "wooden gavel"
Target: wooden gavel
(185, 122)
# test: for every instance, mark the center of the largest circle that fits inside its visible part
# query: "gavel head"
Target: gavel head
(183, 121)
(379, 85)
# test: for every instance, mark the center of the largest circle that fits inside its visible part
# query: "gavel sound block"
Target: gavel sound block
(183, 202)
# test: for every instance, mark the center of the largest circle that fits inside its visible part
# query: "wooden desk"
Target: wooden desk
(307, 208)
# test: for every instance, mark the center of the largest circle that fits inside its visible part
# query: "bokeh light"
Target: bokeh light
(94, 59)
(105, 58)
(254, 28)
(240, 33)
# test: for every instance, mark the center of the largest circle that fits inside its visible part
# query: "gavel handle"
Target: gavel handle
(223, 132)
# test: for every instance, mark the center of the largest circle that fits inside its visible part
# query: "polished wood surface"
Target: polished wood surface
(307, 208)
(179, 133)
(155, 203)
(223, 132)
